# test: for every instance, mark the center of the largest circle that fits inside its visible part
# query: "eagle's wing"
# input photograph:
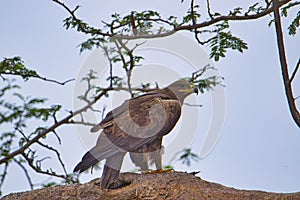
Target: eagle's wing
(107, 121)
(142, 122)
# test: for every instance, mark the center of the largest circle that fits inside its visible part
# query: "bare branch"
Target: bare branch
(110, 65)
(26, 173)
(81, 123)
(38, 170)
(193, 105)
(295, 71)
(54, 81)
(47, 147)
(72, 12)
(194, 21)
(131, 64)
(201, 71)
(57, 137)
(3, 174)
(208, 9)
(57, 154)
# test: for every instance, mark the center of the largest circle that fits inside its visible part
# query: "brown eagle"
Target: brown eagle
(137, 127)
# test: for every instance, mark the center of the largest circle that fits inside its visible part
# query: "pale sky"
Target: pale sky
(259, 145)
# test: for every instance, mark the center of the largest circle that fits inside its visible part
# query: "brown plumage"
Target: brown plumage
(137, 127)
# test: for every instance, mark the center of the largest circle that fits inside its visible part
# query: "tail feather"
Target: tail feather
(96, 154)
(87, 161)
(109, 177)
(111, 169)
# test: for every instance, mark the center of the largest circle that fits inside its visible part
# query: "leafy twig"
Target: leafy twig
(15, 66)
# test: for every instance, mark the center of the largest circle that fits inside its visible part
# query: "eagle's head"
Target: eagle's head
(182, 88)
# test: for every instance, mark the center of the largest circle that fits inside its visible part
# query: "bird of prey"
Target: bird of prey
(137, 127)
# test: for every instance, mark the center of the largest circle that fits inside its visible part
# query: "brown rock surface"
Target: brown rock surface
(172, 185)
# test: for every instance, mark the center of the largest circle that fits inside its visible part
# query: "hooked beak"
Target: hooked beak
(196, 91)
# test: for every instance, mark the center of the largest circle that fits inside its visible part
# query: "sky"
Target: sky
(258, 146)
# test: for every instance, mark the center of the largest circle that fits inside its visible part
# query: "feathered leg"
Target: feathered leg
(155, 158)
(140, 160)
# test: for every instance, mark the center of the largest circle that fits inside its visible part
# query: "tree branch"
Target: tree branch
(180, 27)
(26, 173)
(208, 9)
(53, 127)
(284, 66)
(38, 170)
(82, 28)
(206, 23)
(81, 123)
(3, 174)
(66, 120)
(57, 154)
(131, 62)
(194, 21)
(42, 78)
(295, 71)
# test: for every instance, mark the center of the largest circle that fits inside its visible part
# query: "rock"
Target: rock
(171, 185)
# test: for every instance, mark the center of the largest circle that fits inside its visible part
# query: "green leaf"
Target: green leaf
(15, 66)
(50, 184)
(294, 25)
(223, 41)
